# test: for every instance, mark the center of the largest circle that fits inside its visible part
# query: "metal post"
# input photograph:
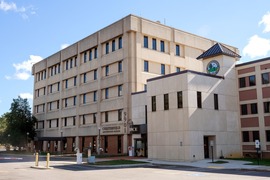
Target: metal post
(61, 143)
(99, 140)
(212, 153)
(36, 159)
(48, 160)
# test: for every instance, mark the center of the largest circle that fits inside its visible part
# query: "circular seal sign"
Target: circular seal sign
(212, 67)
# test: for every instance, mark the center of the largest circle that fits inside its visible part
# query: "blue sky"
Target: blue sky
(31, 30)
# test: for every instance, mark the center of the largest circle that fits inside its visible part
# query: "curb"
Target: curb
(41, 167)
(120, 166)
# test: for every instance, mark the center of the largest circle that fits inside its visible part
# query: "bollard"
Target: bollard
(36, 159)
(48, 160)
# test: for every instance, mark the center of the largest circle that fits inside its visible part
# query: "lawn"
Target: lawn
(119, 162)
(252, 161)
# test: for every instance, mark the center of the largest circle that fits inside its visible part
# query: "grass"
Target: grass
(253, 161)
(119, 162)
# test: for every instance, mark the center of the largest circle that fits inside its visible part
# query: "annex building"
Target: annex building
(138, 85)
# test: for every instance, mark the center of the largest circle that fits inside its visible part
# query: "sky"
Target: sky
(31, 30)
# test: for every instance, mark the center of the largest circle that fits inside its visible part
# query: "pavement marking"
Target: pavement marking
(10, 158)
(215, 167)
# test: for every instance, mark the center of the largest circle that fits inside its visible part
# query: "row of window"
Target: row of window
(162, 68)
(180, 101)
(113, 45)
(153, 44)
(70, 63)
(251, 80)
(251, 136)
(253, 108)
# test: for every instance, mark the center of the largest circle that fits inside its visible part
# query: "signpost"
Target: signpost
(212, 149)
(257, 146)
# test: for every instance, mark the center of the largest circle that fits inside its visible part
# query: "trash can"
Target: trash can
(79, 158)
(130, 151)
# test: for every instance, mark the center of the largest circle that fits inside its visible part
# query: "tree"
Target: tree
(3, 126)
(20, 123)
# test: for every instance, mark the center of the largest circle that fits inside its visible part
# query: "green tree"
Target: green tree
(20, 123)
(3, 126)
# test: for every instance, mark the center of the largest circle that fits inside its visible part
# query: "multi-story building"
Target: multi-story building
(82, 94)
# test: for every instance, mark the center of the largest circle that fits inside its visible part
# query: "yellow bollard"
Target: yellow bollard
(36, 159)
(48, 160)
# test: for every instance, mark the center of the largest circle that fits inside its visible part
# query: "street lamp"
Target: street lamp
(27, 134)
(99, 140)
(61, 142)
(8, 146)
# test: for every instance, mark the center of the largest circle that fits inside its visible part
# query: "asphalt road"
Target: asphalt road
(18, 167)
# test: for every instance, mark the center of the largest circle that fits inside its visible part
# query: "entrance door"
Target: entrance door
(139, 148)
(206, 146)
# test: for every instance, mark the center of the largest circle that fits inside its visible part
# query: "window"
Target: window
(106, 116)
(254, 109)
(65, 121)
(66, 65)
(216, 101)
(51, 88)
(180, 99)
(256, 135)
(154, 104)
(107, 48)
(178, 69)
(244, 109)
(177, 50)
(119, 144)
(166, 101)
(145, 41)
(154, 44)
(199, 99)
(57, 104)
(245, 135)
(84, 78)
(95, 96)
(120, 66)
(66, 83)
(252, 80)
(45, 72)
(75, 63)
(84, 98)
(71, 63)
(85, 57)
(94, 118)
(120, 43)
(95, 74)
(75, 80)
(58, 86)
(266, 107)
(74, 120)
(242, 82)
(120, 90)
(120, 114)
(106, 93)
(105, 144)
(145, 87)
(95, 53)
(267, 133)
(50, 106)
(83, 116)
(74, 100)
(113, 45)
(66, 102)
(162, 46)
(163, 69)
(145, 66)
(107, 70)
(90, 55)
(265, 78)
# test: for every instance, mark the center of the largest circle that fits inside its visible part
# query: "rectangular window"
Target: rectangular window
(74, 120)
(265, 78)
(113, 45)
(85, 57)
(145, 66)
(95, 53)
(119, 144)
(107, 70)
(90, 55)
(58, 103)
(51, 73)
(66, 65)
(75, 63)
(177, 50)
(120, 114)
(154, 44)
(120, 66)
(245, 136)
(106, 116)
(244, 109)
(166, 101)
(199, 99)
(162, 46)
(256, 135)
(45, 72)
(84, 78)
(120, 43)
(94, 118)
(216, 101)
(252, 80)
(266, 107)
(106, 93)
(242, 82)
(83, 119)
(254, 109)
(267, 133)
(120, 90)
(106, 144)
(180, 99)
(75, 80)
(51, 88)
(55, 70)
(95, 74)
(58, 86)
(162, 69)
(65, 121)
(84, 98)
(71, 63)
(50, 106)
(74, 100)
(95, 96)
(107, 48)
(66, 83)
(154, 104)
(178, 69)
(145, 41)
(66, 104)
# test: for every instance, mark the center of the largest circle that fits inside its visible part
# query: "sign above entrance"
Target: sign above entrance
(213, 67)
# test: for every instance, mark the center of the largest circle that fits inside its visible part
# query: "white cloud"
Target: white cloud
(26, 95)
(23, 70)
(266, 21)
(257, 47)
(63, 46)
(11, 6)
